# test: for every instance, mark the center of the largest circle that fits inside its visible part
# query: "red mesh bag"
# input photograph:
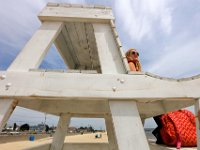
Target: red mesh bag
(178, 129)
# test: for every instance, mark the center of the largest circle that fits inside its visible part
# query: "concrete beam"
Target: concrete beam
(52, 85)
(61, 130)
(7, 106)
(35, 50)
(60, 13)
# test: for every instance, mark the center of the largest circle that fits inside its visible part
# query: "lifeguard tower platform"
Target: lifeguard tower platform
(98, 82)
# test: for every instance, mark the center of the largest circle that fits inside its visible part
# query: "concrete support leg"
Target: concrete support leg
(128, 126)
(37, 47)
(111, 133)
(61, 130)
(6, 108)
(197, 112)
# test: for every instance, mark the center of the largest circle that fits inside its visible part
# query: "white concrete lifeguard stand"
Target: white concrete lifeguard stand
(97, 84)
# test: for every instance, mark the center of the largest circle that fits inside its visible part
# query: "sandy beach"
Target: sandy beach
(22, 142)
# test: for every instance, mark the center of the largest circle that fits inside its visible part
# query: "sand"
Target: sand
(22, 142)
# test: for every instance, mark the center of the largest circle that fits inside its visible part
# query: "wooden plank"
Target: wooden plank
(93, 47)
(110, 59)
(128, 126)
(88, 6)
(84, 52)
(65, 5)
(89, 71)
(64, 51)
(71, 49)
(80, 30)
(100, 6)
(72, 14)
(76, 5)
(81, 53)
(61, 130)
(121, 51)
(37, 47)
(119, 44)
(65, 71)
(197, 112)
(6, 108)
(53, 4)
(96, 86)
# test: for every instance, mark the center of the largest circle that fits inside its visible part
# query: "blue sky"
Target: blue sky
(165, 32)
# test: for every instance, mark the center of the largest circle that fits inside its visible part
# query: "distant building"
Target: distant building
(72, 130)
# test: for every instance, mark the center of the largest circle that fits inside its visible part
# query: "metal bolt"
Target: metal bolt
(122, 81)
(2, 77)
(8, 85)
(114, 88)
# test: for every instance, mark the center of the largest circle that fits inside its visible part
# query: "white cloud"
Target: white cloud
(20, 20)
(164, 32)
(178, 60)
(138, 18)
